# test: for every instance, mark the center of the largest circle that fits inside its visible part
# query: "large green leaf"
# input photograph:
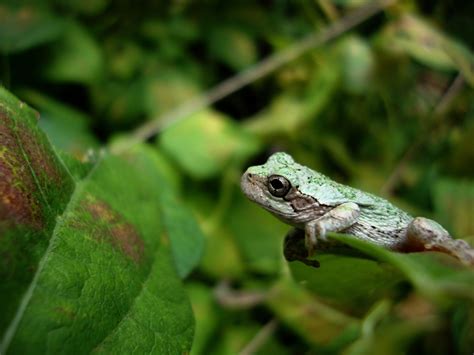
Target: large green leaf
(105, 274)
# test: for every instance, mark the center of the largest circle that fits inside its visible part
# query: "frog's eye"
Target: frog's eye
(278, 185)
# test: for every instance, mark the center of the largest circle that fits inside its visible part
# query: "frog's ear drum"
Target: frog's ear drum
(278, 185)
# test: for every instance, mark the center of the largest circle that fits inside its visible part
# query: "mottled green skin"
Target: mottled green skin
(379, 220)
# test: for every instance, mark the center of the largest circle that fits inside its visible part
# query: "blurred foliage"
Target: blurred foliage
(387, 107)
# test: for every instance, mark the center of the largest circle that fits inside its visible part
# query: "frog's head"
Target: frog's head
(275, 186)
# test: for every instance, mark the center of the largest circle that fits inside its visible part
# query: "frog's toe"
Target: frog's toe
(321, 232)
(310, 244)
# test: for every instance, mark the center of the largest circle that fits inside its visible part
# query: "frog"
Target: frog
(317, 205)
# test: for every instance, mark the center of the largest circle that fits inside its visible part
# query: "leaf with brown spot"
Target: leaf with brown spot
(92, 269)
(114, 229)
(34, 189)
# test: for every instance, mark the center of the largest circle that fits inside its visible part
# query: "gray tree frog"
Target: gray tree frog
(312, 202)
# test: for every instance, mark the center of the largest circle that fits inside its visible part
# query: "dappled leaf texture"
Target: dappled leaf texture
(108, 278)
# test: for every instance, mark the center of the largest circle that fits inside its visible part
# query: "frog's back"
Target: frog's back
(330, 193)
(380, 221)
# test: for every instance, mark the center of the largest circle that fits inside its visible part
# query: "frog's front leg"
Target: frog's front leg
(336, 220)
(426, 234)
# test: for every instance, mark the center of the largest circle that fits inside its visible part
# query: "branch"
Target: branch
(260, 338)
(232, 299)
(253, 73)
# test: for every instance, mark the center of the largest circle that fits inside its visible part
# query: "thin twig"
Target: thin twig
(448, 97)
(260, 338)
(440, 109)
(229, 298)
(253, 73)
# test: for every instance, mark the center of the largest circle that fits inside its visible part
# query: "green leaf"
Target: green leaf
(35, 188)
(79, 168)
(206, 142)
(360, 282)
(103, 274)
(108, 269)
(26, 26)
(77, 57)
(357, 64)
(437, 276)
(187, 240)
